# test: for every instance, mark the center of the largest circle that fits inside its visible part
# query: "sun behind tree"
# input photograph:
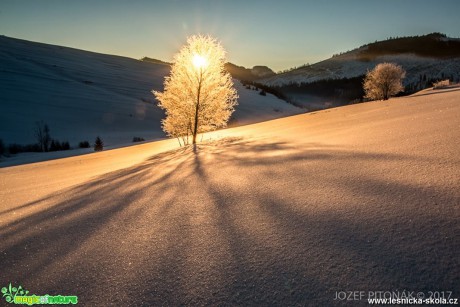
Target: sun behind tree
(198, 94)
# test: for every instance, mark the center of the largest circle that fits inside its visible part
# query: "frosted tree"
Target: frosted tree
(42, 134)
(198, 94)
(384, 81)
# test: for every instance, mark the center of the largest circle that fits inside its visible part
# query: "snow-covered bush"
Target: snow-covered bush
(138, 139)
(98, 144)
(384, 81)
(441, 84)
(18, 148)
(83, 144)
(56, 145)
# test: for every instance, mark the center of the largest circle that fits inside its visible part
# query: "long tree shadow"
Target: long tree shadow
(375, 234)
(238, 222)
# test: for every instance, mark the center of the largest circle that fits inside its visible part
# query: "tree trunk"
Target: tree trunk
(195, 128)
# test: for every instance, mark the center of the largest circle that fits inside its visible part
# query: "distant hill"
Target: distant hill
(262, 71)
(434, 45)
(155, 61)
(338, 80)
(248, 74)
(237, 72)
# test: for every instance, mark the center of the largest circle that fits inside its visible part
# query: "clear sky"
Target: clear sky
(280, 34)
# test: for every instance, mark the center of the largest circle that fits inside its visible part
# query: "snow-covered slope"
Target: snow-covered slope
(434, 56)
(286, 212)
(82, 94)
(351, 65)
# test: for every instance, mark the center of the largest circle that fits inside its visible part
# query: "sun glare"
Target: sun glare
(199, 61)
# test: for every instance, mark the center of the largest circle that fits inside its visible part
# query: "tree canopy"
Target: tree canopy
(384, 81)
(198, 94)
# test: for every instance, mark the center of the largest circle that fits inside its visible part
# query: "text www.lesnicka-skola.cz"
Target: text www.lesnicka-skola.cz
(398, 297)
(412, 301)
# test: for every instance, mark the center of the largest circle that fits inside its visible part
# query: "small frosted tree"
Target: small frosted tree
(42, 134)
(384, 81)
(198, 94)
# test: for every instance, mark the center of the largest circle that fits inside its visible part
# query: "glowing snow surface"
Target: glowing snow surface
(284, 212)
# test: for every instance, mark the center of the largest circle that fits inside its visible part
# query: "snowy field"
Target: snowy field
(82, 94)
(285, 212)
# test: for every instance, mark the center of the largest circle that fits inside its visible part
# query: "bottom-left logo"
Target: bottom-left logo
(19, 295)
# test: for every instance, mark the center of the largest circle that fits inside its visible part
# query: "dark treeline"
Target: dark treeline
(346, 89)
(432, 45)
(263, 89)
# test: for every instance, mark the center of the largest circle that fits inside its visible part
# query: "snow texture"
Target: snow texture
(286, 212)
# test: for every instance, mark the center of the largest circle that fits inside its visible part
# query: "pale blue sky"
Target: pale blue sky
(280, 34)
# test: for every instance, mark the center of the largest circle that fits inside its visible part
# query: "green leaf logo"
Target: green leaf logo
(11, 292)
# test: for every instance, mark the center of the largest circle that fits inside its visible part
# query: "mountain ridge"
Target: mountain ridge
(393, 49)
(338, 80)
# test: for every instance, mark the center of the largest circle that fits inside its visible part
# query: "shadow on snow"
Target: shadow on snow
(237, 221)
